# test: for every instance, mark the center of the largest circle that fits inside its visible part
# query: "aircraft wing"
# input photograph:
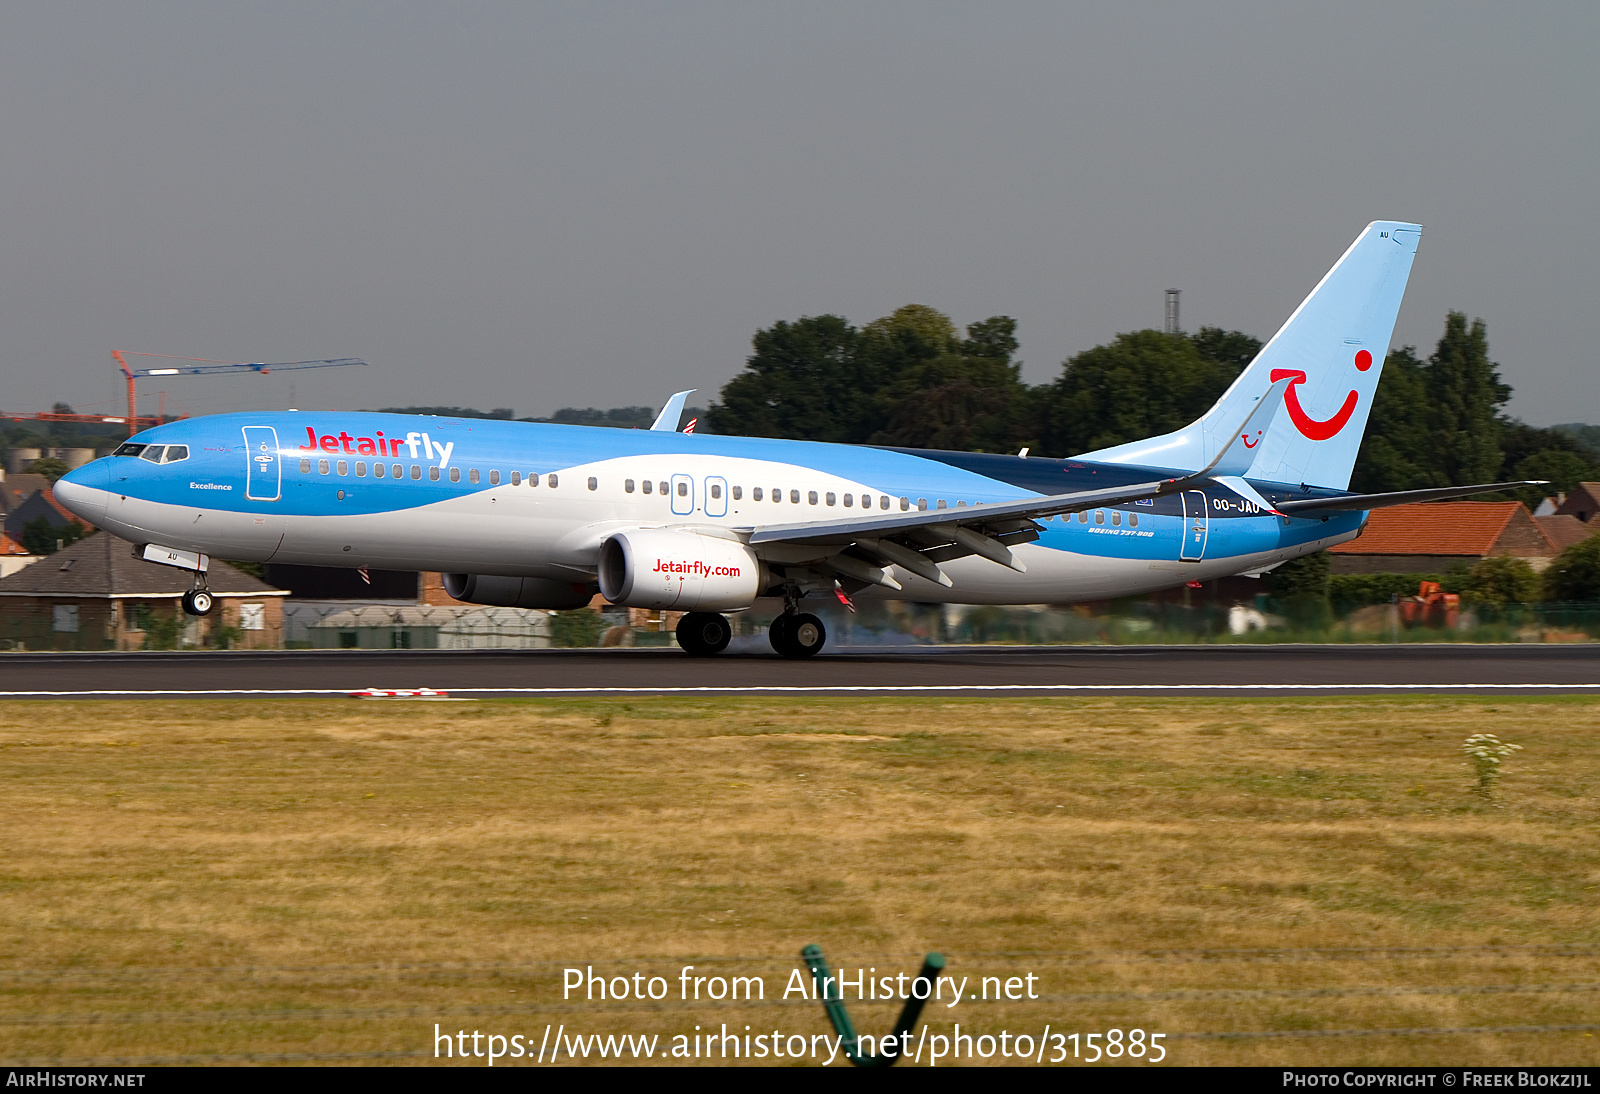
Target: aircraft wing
(859, 549)
(1399, 497)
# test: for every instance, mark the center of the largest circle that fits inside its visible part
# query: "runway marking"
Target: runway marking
(823, 689)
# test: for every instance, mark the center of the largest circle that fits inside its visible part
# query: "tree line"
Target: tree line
(911, 379)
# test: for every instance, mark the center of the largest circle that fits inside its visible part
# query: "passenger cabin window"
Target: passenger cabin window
(516, 478)
(922, 504)
(666, 488)
(829, 498)
(848, 500)
(627, 486)
(794, 497)
(396, 471)
(494, 478)
(416, 471)
(377, 470)
(1116, 518)
(811, 496)
(756, 495)
(322, 467)
(883, 501)
(683, 489)
(594, 483)
(455, 474)
(176, 452)
(1133, 520)
(472, 475)
(344, 467)
(153, 453)
(905, 503)
(943, 504)
(716, 490)
(552, 481)
(738, 492)
(305, 467)
(649, 486)
(1099, 516)
(361, 469)
(1083, 517)
(533, 480)
(433, 474)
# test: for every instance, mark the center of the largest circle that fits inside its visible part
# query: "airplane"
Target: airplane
(542, 516)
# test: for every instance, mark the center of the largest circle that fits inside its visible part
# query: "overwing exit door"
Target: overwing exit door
(1196, 526)
(682, 495)
(263, 469)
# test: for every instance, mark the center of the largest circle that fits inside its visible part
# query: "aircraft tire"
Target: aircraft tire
(197, 602)
(798, 636)
(703, 634)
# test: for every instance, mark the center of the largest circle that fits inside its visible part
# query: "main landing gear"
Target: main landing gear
(797, 635)
(702, 634)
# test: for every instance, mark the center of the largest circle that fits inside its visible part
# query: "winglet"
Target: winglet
(1239, 453)
(667, 420)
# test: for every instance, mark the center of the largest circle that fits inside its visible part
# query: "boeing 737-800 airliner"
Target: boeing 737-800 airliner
(540, 516)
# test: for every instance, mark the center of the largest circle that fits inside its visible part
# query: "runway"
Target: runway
(878, 670)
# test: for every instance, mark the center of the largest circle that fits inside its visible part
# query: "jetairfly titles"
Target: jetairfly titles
(544, 516)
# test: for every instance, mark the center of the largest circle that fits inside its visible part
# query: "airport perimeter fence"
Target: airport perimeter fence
(242, 623)
(1536, 982)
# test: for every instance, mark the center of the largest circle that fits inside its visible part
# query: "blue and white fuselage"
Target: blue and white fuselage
(464, 495)
(543, 515)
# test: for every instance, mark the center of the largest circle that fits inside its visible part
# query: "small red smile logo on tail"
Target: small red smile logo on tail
(1308, 426)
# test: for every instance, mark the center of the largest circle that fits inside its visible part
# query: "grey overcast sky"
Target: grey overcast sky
(537, 206)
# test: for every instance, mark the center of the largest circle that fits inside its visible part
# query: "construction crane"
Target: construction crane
(200, 366)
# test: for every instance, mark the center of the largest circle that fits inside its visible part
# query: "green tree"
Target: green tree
(1501, 580)
(48, 466)
(1574, 574)
(40, 537)
(1396, 453)
(1465, 394)
(803, 382)
(1139, 385)
(970, 397)
(579, 627)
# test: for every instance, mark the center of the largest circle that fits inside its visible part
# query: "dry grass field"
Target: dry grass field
(243, 879)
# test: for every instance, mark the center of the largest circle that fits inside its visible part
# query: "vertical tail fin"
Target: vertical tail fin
(1331, 351)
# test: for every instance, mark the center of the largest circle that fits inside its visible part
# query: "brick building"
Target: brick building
(94, 595)
(1433, 537)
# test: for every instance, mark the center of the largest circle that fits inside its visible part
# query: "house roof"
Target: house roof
(1583, 502)
(1563, 530)
(103, 566)
(41, 503)
(9, 546)
(1436, 528)
(19, 488)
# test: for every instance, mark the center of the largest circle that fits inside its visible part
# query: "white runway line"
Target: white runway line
(825, 689)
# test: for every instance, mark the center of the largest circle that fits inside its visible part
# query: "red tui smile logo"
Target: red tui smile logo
(1308, 426)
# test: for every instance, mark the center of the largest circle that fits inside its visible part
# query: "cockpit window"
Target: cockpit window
(153, 452)
(129, 449)
(176, 452)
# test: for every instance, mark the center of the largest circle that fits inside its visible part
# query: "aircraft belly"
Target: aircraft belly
(250, 537)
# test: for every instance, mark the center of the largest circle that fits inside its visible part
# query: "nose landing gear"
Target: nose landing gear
(702, 634)
(197, 602)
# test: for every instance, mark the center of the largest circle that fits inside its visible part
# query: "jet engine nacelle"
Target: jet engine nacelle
(685, 571)
(518, 592)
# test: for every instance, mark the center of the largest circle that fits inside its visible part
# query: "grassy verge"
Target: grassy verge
(195, 869)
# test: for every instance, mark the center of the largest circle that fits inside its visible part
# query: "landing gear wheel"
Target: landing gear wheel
(702, 634)
(197, 602)
(798, 636)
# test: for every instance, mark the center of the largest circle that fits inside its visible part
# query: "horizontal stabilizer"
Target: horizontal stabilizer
(1401, 497)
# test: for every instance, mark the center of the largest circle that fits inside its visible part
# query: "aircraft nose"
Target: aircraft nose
(83, 491)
